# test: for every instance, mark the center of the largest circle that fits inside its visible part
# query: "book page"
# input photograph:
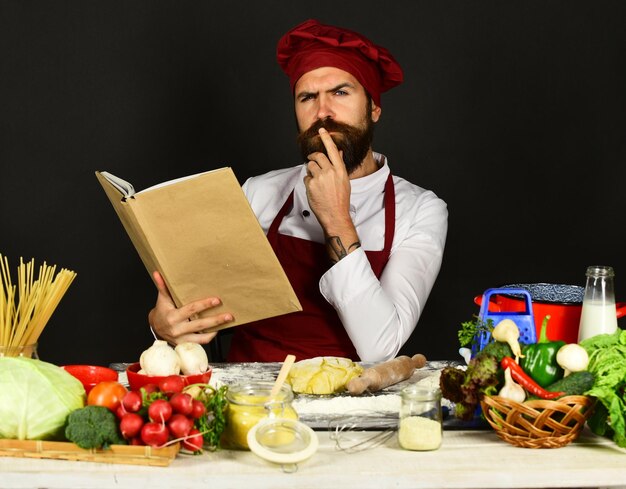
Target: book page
(176, 180)
(124, 187)
(127, 189)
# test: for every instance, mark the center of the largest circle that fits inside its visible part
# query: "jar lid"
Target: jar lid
(282, 440)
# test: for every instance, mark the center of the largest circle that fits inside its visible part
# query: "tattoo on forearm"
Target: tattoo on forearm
(336, 249)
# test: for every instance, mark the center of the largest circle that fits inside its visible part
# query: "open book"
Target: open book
(200, 233)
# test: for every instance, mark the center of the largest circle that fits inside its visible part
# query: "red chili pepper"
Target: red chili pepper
(523, 379)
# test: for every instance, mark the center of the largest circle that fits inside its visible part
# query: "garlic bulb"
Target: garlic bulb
(160, 360)
(511, 389)
(193, 358)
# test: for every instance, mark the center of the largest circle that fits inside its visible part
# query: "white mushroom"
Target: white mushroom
(572, 358)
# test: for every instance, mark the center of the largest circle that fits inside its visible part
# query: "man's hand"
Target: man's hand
(178, 325)
(328, 192)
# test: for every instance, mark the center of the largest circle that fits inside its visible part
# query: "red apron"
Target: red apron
(317, 329)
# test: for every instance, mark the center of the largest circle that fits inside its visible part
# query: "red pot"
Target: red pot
(562, 302)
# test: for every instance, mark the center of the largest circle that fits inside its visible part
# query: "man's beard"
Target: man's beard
(355, 142)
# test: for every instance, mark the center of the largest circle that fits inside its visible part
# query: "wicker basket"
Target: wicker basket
(538, 423)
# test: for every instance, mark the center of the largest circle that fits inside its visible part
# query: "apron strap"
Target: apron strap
(390, 215)
(273, 230)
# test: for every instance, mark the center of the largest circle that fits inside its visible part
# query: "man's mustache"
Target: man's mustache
(328, 124)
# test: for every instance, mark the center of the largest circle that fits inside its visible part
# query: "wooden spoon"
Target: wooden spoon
(282, 375)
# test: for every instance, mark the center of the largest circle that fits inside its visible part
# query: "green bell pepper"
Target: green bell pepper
(539, 360)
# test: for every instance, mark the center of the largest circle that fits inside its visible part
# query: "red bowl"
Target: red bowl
(137, 380)
(90, 375)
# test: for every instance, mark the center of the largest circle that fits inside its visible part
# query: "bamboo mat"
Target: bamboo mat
(115, 454)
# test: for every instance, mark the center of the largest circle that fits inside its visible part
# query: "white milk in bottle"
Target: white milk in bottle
(599, 314)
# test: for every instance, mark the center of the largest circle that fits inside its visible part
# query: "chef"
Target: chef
(361, 247)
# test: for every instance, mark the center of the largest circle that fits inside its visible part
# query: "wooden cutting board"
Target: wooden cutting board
(115, 454)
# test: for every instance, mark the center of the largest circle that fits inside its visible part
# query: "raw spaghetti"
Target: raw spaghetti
(26, 307)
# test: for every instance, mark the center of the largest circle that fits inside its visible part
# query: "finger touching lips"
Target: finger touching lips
(329, 144)
(323, 133)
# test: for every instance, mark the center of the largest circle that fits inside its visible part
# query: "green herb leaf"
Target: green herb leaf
(213, 424)
(471, 329)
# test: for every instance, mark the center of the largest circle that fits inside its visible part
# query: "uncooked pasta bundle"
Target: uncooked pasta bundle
(26, 307)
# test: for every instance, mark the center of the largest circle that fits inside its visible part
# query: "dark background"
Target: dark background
(513, 112)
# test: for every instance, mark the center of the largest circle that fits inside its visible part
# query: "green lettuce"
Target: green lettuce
(36, 398)
(607, 361)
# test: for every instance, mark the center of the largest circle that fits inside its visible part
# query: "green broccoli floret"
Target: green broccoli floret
(498, 349)
(93, 427)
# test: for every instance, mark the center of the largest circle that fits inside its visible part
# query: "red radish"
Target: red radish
(197, 409)
(150, 388)
(137, 441)
(154, 434)
(130, 425)
(160, 411)
(132, 401)
(172, 384)
(179, 425)
(120, 411)
(182, 403)
(194, 442)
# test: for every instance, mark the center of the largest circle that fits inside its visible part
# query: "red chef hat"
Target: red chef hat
(312, 45)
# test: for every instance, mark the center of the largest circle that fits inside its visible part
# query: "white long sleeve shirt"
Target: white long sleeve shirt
(378, 315)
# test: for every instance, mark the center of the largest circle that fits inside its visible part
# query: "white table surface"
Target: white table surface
(466, 459)
(469, 459)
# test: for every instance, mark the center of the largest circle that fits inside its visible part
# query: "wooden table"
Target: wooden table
(466, 459)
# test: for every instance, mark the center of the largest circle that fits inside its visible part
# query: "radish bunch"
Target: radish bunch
(160, 414)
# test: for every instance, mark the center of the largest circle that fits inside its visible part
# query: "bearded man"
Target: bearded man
(361, 248)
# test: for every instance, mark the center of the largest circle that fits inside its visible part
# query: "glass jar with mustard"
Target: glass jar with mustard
(249, 403)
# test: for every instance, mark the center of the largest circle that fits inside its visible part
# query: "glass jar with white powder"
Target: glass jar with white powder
(420, 426)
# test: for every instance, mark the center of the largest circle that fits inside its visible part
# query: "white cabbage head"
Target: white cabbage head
(35, 398)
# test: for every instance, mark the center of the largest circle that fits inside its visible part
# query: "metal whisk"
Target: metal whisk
(361, 430)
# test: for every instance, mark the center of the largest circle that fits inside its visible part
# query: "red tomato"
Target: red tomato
(108, 394)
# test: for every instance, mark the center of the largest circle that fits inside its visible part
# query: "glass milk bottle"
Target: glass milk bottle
(598, 314)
